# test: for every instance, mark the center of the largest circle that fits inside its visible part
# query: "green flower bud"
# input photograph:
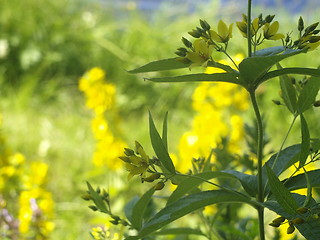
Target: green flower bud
(302, 210)
(279, 220)
(186, 42)
(316, 103)
(275, 224)
(125, 159)
(159, 186)
(276, 102)
(315, 32)
(269, 18)
(310, 28)
(86, 197)
(300, 24)
(129, 152)
(152, 177)
(182, 52)
(93, 208)
(205, 26)
(98, 190)
(114, 222)
(195, 33)
(314, 39)
(290, 229)
(297, 221)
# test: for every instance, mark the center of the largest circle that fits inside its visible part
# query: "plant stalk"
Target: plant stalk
(249, 35)
(260, 196)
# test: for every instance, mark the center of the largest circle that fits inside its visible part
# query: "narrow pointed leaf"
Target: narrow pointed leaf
(281, 193)
(309, 190)
(299, 181)
(160, 65)
(159, 147)
(165, 131)
(308, 94)
(288, 92)
(191, 182)
(301, 71)
(187, 205)
(253, 68)
(305, 144)
(140, 207)
(202, 77)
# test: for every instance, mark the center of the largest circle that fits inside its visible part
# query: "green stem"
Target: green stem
(260, 197)
(249, 35)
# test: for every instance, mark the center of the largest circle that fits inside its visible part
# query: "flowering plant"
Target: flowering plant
(264, 188)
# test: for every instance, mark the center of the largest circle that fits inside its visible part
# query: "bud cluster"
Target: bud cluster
(308, 39)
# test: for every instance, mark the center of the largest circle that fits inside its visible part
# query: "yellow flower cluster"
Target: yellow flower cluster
(100, 97)
(214, 120)
(23, 194)
(104, 233)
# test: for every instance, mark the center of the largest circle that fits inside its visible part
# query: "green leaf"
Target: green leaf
(191, 182)
(288, 92)
(271, 51)
(96, 198)
(140, 207)
(165, 131)
(305, 144)
(281, 193)
(309, 190)
(287, 157)
(202, 77)
(248, 182)
(253, 69)
(180, 231)
(160, 65)
(187, 205)
(283, 71)
(308, 94)
(299, 181)
(159, 147)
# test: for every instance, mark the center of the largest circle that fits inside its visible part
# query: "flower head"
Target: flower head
(201, 53)
(224, 32)
(270, 31)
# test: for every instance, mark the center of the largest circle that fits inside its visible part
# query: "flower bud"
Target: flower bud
(195, 33)
(275, 224)
(315, 32)
(186, 42)
(86, 197)
(159, 186)
(98, 190)
(269, 18)
(279, 219)
(300, 24)
(314, 39)
(297, 221)
(93, 208)
(311, 28)
(205, 26)
(290, 229)
(277, 102)
(302, 210)
(128, 152)
(152, 177)
(316, 103)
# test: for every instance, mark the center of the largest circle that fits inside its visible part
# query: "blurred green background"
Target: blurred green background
(46, 46)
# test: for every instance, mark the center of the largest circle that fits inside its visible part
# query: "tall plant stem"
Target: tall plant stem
(260, 197)
(249, 35)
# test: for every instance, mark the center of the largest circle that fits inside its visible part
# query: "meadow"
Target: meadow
(58, 131)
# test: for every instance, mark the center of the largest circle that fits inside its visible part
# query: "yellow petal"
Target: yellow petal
(277, 36)
(255, 26)
(215, 36)
(222, 29)
(274, 28)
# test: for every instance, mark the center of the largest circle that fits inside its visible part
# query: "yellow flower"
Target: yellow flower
(270, 31)
(242, 26)
(201, 54)
(224, 33)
